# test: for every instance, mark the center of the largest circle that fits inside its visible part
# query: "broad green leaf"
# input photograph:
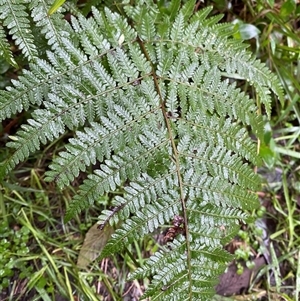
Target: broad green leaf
(248, 31)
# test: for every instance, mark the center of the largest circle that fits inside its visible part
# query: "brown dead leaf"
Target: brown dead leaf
(94, 242)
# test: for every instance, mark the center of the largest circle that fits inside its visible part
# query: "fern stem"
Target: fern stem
(183, 198)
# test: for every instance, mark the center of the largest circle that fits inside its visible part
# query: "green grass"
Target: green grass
(45, 266)
(38, 252)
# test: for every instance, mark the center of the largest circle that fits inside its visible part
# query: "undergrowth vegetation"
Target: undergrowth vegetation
(39, 249)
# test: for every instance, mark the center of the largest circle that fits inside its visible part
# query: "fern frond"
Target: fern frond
(148, 97)
(41, 129)
(171, 261)
(31, 88)
(128, 164)
(53, 27)
(154, 203)
(5, 50)
(16, 19)
(98, 142)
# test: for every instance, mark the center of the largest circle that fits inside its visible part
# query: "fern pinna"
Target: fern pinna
(149, 96)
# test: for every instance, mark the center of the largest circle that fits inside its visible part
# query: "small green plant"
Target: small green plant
(13, 245)
(250, 242)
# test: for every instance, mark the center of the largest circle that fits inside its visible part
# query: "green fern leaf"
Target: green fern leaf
(52, 25)
(5, 50)
(15, 18)
(150, 101)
